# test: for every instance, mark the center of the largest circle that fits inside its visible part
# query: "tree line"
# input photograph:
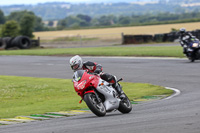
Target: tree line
(81, 21)
(26, 22)
(20, 23)
(60, 10)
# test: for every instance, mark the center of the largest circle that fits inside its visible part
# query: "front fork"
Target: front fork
(97, 96)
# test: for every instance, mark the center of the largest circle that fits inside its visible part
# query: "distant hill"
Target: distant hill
(59, 10)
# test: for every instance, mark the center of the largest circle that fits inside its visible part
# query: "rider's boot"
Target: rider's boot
(118, 88)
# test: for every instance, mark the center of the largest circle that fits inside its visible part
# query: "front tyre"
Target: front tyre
(191, 59)
(125, 105)
(92, 103)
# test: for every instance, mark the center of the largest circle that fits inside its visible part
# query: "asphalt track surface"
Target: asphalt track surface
(179, 114)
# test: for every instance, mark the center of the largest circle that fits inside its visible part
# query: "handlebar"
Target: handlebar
(120, 79)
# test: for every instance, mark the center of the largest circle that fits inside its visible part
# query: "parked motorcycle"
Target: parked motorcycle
(98, 94)
(192, 51)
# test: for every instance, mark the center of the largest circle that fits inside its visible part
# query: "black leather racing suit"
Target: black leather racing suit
(184, 40)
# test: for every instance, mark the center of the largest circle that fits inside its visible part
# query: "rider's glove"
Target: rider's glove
(97, 71)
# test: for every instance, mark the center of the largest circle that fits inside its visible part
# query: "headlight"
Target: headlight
(195, 45)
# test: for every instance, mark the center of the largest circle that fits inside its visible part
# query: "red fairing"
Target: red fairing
(91, 91)
(86, 81)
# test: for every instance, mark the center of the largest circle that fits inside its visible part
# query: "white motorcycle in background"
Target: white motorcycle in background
(192, 51)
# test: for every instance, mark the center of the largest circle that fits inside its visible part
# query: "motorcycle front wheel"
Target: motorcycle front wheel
(125, 105)
(93, 104)
(191, 59)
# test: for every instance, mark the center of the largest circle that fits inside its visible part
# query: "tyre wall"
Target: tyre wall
(21, 42)
(165, 37)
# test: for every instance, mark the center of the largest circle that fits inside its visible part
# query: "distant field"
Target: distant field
(116, 32)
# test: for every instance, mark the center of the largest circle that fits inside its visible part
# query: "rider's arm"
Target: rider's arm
(190, 34)
(99, 68)
(181, 41)
(92, 67)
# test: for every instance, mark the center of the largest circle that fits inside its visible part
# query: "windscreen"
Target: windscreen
(78, 75)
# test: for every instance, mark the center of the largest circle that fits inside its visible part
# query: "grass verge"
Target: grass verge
(159, 51)
(28, 95)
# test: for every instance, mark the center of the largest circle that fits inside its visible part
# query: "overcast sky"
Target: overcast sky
(11, 2)
(19, 2)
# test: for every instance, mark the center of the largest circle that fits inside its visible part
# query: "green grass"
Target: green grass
(28, 95)
(160, 51)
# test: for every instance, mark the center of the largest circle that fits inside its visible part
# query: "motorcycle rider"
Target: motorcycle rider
(76, 63)
(185, 38)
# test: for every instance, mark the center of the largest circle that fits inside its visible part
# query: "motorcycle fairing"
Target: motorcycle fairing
(111, 102)
(81, 76)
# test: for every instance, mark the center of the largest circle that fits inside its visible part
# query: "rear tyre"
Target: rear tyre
(92, 103)
(125, 105)
(2, 44)
(6, 42)
(22, 42)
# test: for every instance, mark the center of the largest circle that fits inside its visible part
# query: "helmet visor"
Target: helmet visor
(75, 67)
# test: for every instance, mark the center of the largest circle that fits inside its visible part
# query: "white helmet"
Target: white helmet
(76, 63)
(182, 30)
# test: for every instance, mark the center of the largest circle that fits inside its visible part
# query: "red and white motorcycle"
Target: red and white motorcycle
(98, 94)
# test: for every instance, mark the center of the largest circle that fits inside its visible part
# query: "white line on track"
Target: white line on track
(177, 92)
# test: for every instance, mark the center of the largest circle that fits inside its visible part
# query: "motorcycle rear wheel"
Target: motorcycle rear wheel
(92, 103)
(125, 105)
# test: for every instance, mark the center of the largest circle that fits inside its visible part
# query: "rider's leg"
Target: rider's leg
(184, 50)
(112, 79)
(117, 86)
